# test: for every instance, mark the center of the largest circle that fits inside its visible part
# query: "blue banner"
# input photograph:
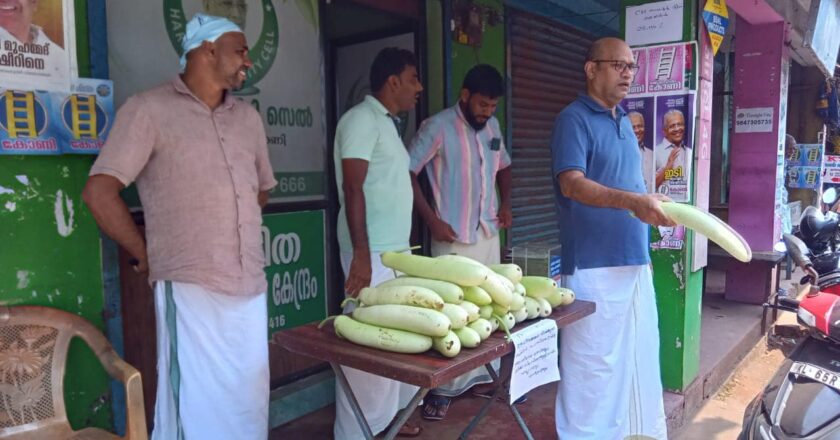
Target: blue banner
(44, 122)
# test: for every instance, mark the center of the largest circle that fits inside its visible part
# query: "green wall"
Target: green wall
(51, 254)
(678, 297)
(679, 291)
(491, 51)
(51, 257)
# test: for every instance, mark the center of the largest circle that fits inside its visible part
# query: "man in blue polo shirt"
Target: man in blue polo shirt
(609, 362)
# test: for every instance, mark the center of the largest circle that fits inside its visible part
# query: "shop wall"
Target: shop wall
(51, 254)
(51, 258)
(803, 123)
(490, 51)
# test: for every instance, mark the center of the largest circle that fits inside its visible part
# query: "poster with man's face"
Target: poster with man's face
(37, 45)
(640, 113)
(673, 157)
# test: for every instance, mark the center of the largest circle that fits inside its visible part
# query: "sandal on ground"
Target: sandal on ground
(435, 407)
(409, 430)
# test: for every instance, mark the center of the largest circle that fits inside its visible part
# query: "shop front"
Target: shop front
(311, 61)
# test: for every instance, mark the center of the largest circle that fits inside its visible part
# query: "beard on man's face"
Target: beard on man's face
(474, 123)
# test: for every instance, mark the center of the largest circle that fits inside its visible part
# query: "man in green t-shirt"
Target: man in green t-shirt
(376, 198)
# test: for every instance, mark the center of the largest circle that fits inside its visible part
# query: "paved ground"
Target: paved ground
(721, 416)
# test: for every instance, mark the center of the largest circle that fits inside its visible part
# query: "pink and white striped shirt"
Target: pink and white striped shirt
(461, 165)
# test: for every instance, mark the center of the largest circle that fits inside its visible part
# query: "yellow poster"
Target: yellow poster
(716, 17)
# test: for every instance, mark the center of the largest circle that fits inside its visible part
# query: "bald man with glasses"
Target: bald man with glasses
(610, 387)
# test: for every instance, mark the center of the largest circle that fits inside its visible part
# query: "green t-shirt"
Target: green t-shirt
(368, 132)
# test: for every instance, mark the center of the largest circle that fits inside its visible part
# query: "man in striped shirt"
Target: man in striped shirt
(462, 151)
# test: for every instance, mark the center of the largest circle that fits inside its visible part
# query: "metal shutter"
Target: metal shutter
(546, 71)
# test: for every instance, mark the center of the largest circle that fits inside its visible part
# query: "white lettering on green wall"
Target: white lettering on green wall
(292, 286)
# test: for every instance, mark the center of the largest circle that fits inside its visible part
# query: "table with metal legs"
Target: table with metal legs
(426, 371)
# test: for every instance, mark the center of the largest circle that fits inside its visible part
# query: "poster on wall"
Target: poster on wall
(660, 106)
(654, 22)
(639, 84)
(703, 147)
(285, 85)
(673, 158)
(671, 237)
(37, 45)
(832, 169)
(665, 68)
(716, 18)
(640, 112)
(804, 166)
(57, 122)
(669, 68)
(295, 266)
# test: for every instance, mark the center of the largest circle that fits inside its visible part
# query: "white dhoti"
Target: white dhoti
(610, 385)
(213, 378)
(485, 250)
(379, 398)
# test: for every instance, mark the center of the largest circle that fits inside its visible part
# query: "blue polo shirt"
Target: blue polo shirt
(586, 137)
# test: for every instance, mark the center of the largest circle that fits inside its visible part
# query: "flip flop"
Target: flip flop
(410, 431)
(435, 407)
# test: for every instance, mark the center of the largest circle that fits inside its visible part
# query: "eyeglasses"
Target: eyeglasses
(620, 66)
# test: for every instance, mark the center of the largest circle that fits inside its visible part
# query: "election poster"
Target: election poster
(640, 112)
(673, 157)
(44, 123)
(37, 45)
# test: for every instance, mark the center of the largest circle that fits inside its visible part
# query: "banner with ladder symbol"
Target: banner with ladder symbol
(43, 122)
(83, 116)
(668, 69)
(666, 63)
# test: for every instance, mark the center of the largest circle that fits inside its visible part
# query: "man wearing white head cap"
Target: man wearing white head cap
(200, 161)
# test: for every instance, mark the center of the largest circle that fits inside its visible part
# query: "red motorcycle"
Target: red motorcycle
(802, 400)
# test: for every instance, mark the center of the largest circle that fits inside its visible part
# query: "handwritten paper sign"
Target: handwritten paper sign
(535, 358)
(651, 23)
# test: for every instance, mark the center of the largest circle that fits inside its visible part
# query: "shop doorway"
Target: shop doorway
(355, 31)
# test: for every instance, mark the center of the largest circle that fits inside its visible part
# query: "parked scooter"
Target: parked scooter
(820, 231)
(802, 400)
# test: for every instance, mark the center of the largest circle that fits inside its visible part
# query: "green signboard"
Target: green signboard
(295, 260)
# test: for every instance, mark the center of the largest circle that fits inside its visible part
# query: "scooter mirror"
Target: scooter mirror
(829, 196)
(797, 249)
